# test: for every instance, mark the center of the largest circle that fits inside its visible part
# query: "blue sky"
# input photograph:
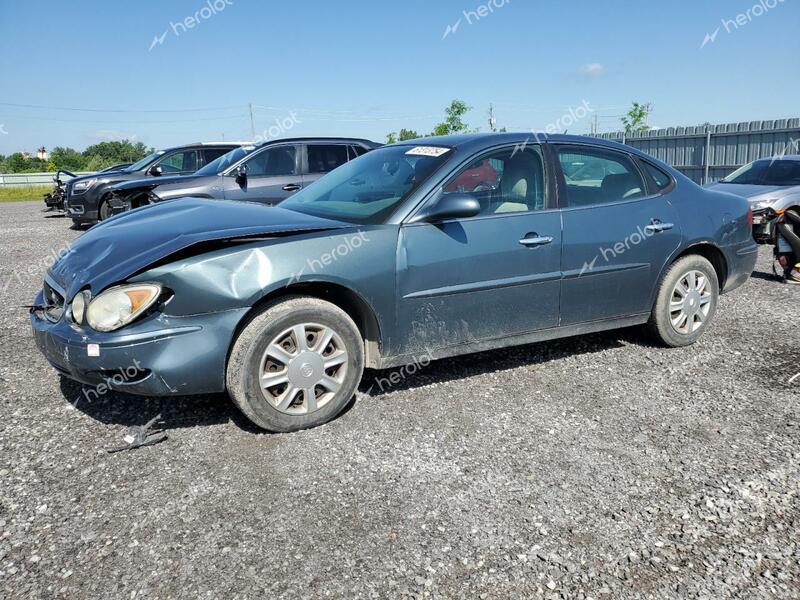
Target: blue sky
(363, 68)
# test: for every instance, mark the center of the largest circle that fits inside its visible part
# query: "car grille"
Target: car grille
(54, 302)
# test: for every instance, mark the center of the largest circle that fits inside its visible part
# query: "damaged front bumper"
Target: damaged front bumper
(149, 357)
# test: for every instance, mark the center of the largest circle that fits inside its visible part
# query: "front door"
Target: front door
(272, 175)
(618, 234)
(489, 276)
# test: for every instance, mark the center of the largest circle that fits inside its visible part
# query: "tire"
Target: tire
(102, 210)
(274, 328)
(667, 324)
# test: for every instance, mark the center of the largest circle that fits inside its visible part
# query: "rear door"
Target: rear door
(489, 276)
(273, 174)
(619, 231)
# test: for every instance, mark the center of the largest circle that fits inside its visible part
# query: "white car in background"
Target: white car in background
(772, 185)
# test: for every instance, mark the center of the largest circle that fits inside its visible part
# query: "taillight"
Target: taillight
(750, 217)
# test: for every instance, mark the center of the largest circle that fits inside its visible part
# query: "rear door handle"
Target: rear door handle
(656, 226)
(533, 240)
(291, 187)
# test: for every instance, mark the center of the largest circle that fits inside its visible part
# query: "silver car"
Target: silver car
(772, 185)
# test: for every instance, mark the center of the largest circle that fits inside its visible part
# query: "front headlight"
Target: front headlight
(82, 186)
(116, 307)
(78, 307)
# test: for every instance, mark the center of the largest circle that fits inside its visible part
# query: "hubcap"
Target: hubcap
(691, 302)
(302, 368)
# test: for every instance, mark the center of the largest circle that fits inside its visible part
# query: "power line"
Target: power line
(119, 110)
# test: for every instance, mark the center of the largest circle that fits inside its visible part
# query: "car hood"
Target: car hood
(124, 245)
(748, 191)
(155, 182)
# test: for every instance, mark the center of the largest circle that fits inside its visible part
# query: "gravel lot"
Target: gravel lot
(593, 467)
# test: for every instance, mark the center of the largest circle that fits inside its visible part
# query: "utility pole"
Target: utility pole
(595, 124)
(252, 123)
(492, 119)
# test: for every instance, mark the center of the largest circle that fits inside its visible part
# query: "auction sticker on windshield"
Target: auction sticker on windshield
(427, 151)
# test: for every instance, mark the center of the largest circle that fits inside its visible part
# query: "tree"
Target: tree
(403, 136)
(453, 123)
(121, 151)
(67, 158)
(635, 120)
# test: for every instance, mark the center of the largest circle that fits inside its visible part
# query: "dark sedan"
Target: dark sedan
(384, 262)
(86, 197)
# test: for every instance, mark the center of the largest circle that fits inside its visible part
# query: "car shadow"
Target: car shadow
(425, 372)
(177, 412)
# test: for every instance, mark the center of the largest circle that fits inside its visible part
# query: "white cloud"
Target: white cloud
(593, 69)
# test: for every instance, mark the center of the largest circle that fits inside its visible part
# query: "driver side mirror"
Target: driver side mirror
(449, 206)
(156, 171)
(241, 174)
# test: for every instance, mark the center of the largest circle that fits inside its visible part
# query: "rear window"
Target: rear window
(659, 177)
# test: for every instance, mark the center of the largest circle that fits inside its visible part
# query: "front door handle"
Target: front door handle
(532, 240)
(291, 187)
(656, 226)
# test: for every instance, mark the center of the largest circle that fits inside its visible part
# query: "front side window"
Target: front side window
(505, 181)
(180, 162)
(138, 166)
(273, 162)
(369, 188)
(596, 176)
(324, 158)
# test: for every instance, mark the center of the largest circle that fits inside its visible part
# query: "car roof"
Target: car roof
(308, 139)
(789, 157)
(476, 140)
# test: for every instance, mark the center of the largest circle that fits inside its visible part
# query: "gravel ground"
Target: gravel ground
(593, 467)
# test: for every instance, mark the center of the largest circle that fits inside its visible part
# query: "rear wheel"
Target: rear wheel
(687, 302)
(296, 364)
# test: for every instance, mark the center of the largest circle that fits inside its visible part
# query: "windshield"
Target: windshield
(369, 188)
(226, 160)
(767, 172)
(138, 166)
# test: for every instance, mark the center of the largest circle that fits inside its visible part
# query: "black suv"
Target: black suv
(86, 198)
(268, 173)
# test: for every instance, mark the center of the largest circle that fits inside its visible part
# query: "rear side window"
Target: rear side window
(323, 158)
(597, 176)
(660, 178)
(214, 153)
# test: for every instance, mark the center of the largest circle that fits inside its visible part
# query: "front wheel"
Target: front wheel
(296, 364)
(686, 303)
(104, 212)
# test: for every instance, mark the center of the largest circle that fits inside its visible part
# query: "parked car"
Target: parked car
(267, 173)
(379, 265)
(117, 167)
(772, 185)
(86, 199)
